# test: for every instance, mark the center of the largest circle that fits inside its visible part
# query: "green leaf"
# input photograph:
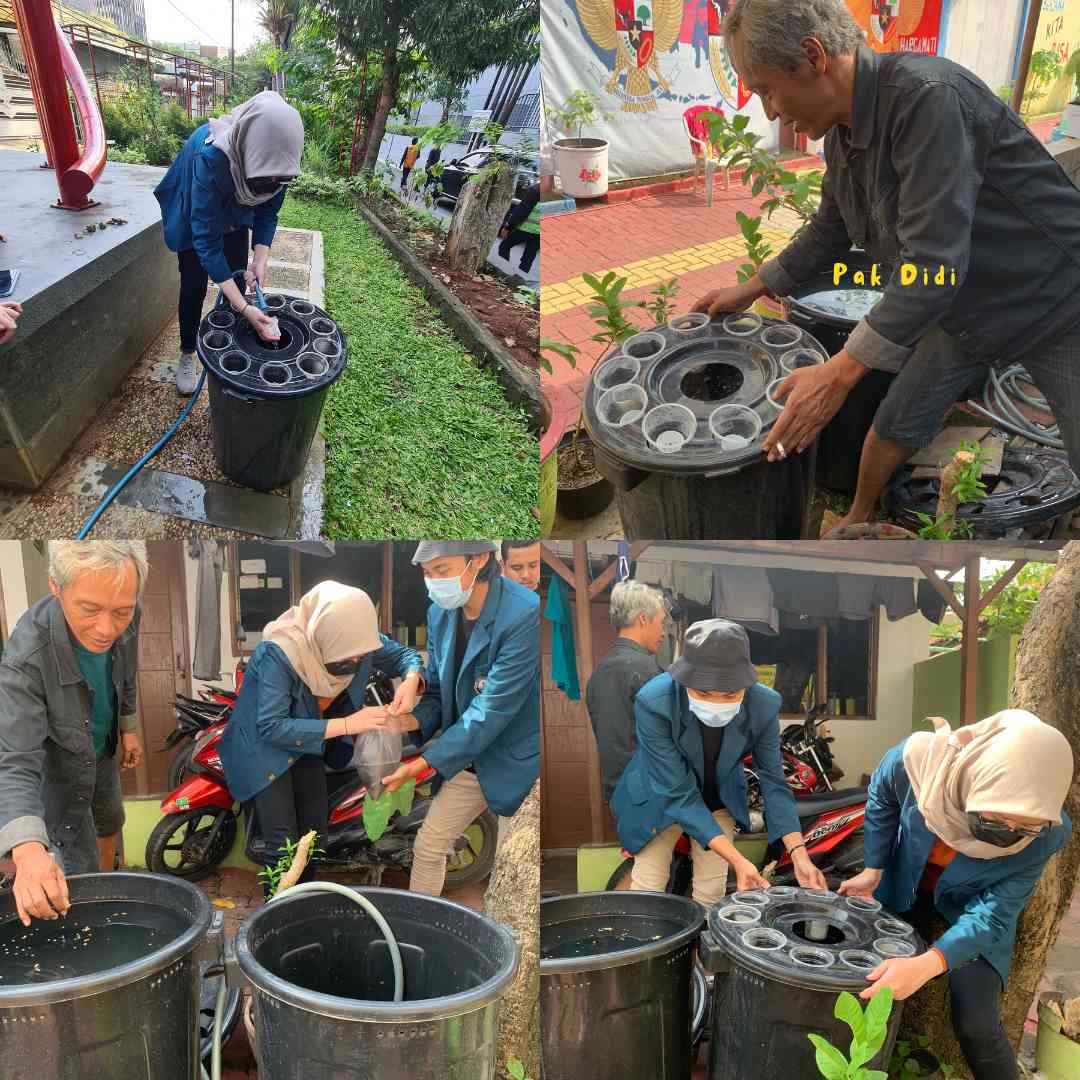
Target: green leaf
(740, 122)
(946, 1070)
(872, 1074)
(877, 1017)
(758, 184)
(923, 1040)
(515, 1069)
(830, 1062)
(848, 1009)
(911, 1067)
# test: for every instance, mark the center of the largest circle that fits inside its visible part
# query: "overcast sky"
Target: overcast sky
(205, 21)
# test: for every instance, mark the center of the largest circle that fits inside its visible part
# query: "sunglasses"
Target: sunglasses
(1000, 833)
(343, 667)
(264, 184)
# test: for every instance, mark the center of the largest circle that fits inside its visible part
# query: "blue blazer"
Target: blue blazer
(198, 208)
(662, 785)
(276, 717)
(497, 694)
(980, 899)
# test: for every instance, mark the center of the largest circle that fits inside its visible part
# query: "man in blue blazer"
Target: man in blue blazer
(695, 723)
(960, 824)
(481, 703)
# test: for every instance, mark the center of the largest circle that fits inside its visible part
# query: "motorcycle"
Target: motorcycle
(201, 819)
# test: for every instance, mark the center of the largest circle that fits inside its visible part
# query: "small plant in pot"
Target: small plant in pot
(1071, 118)
(581, 162)
(914, 1060)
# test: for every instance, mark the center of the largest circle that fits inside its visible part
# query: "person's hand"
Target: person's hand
(132, 748)
(40, 887)
(407, 770)
(256, 272)
(806, 873)
(863, 884)
(265, 326)
(406, 694)
(722, 301)
(504, 232)
(748, 877)
(904, 974)
(370, 718)
(9, 313)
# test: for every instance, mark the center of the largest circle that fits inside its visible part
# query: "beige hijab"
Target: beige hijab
(332, 622)
(1009, 763)
(264, 136)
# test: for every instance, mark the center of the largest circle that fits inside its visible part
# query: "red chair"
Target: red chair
(704, 151)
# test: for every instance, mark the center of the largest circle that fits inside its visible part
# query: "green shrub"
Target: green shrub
(127, 157)
(144, 125)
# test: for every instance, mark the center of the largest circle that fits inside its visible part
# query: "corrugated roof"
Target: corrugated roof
(65, 14)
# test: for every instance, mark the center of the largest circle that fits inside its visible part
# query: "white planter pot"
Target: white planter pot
(1072, 121)
(582, 165)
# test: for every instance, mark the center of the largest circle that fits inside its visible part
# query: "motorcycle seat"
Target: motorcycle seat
(823, 801)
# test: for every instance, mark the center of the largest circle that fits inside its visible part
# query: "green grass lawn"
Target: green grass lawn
(420, 441)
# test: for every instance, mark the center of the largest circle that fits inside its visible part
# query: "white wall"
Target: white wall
(982, 36)
(14, 582)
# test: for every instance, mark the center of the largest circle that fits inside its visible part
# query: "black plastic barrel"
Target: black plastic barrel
(678, 417)
(841, 440)
(781, 958)
(615, 985)
(266, 398)
(323, 988)
(137, 1019)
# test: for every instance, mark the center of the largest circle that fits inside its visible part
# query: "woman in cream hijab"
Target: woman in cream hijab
(224, 188)
(960, 824)
(273, 747)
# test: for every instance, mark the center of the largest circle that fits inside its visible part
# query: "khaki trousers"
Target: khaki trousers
(456, 806)
(652, 864)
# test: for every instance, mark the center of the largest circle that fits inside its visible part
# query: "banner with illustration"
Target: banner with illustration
(1058, 34)
(648, 61)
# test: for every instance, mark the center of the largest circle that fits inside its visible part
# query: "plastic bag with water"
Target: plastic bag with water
(376, 754)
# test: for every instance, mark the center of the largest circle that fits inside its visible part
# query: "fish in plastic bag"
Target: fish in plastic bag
(376, 754)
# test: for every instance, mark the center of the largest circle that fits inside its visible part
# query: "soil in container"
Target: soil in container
(577, 467)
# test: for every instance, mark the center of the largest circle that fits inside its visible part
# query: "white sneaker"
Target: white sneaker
(186, 375)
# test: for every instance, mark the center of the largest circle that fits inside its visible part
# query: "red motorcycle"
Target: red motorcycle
(202, 817)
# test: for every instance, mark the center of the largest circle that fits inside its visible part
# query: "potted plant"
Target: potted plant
(1071, 119)
(1057, 1045)
(910, 1062)
(553, 421)
(582, 163)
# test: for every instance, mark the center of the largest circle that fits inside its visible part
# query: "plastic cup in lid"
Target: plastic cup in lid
(668, 428)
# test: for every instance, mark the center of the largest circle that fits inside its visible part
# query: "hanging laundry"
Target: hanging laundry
(744, 594)
(563, 654)
(694, 581)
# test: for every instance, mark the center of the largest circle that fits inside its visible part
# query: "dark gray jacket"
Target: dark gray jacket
(609, 695)
(47, 762)
(936, 170)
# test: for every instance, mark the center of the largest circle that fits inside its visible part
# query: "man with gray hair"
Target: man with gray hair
(639, 614)
(67, 705)
(973, 227)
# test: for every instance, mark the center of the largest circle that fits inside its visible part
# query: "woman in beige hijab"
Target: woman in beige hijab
(274, 745)
(959, 824)
(224, 188)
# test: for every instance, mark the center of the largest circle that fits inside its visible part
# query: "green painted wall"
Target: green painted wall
(937, 682)
(143, 814)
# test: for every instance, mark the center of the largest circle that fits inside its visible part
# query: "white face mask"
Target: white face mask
(715, 714)
(448, 592)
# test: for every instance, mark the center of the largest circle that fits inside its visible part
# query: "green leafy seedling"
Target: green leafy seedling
(868, 1032)
(515, 1070)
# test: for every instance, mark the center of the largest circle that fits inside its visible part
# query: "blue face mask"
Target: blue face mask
(715, 714)
(448, 592)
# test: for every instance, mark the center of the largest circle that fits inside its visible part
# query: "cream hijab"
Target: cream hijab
(264, 136)
(1009, 763)
(332, 622)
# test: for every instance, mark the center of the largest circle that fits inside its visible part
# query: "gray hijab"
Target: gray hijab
(262, 137)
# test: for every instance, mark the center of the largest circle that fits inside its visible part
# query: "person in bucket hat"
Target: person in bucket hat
(695, 723)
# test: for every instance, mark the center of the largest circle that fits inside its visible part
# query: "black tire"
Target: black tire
(187, 833)
(474, 863)
(178, 767)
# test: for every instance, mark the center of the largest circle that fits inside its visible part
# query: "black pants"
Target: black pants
(294, 804)
(528, 253)
(405, 176)
(975, 995)
(194, 281)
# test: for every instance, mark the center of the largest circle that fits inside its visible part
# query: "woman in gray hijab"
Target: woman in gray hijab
(229, 177)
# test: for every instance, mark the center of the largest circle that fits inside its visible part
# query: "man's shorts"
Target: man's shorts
(76, 851)
(107, 805)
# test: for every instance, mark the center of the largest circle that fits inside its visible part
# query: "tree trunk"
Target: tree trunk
(477, 218)
(1047, 683)
(513, 898)
(391, 76)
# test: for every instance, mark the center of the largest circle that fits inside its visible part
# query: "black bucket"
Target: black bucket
(622, 1014)
(678, 417)
(781, 958)
(136, 1017)
(841, 440)
(266, 399)
(323, 988)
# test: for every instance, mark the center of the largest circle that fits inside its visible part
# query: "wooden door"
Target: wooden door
(164, 665)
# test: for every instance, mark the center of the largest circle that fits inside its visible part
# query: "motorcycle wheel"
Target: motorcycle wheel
(474, 862)
(178, 767)
(178, 844)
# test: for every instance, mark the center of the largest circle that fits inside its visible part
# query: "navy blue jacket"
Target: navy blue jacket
(497, 695)
(981, 899)
(276, 717)
(662, 786)
(198, 207)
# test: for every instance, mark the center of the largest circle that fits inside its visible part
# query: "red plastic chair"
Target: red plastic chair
(705, 153)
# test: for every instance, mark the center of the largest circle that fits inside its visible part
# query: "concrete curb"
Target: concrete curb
(521, 385)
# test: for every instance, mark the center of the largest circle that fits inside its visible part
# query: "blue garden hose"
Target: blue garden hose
(119, 486)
